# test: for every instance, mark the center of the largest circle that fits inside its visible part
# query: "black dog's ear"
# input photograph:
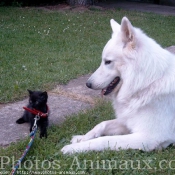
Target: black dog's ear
(30, 92)
(45, 94)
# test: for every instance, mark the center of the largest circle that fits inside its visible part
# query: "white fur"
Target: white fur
(144, 100)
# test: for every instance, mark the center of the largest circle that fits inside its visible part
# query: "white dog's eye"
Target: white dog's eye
(107, 62)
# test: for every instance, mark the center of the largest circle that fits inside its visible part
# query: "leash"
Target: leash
(32, 136)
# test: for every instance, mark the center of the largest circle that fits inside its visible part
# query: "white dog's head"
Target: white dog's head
(108, 76)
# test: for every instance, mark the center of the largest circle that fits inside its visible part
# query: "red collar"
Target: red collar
(36, 112)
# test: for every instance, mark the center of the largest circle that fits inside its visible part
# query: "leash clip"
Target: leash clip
(37, 117)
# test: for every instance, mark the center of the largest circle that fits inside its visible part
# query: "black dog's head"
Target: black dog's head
(37, 99)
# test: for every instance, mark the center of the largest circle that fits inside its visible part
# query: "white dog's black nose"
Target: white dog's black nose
(89, 85)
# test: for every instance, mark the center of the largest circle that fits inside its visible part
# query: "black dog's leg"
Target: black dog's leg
(20, 120)
(31, 125)
(43, 129)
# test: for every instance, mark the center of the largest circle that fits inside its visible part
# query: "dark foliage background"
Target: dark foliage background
(29, 2)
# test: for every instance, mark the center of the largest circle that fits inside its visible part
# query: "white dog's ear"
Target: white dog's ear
(127, 31)
(115, 26)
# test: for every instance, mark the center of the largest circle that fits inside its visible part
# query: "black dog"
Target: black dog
(37, 101)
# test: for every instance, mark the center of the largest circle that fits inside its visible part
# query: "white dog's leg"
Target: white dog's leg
(110, 127)
(133, 141)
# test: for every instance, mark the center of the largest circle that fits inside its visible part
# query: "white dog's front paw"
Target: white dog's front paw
(77, 139)
(96, 132)
(68, 149)
(73, 148)
(81, 138)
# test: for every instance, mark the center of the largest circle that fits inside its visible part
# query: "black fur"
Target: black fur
(38, 101)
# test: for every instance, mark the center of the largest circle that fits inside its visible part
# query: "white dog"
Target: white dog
(140, 76)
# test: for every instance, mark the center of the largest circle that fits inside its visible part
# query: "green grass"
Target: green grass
(45, 154)
(39, 48)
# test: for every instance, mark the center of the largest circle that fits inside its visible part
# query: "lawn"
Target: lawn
(45, 155)
(39, 49)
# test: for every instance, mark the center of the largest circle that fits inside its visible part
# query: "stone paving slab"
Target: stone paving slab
(171, 49)
(60, 107)
(78, 86)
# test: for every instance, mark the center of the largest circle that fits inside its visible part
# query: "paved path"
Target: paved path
(138, 6)
(63, 101)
